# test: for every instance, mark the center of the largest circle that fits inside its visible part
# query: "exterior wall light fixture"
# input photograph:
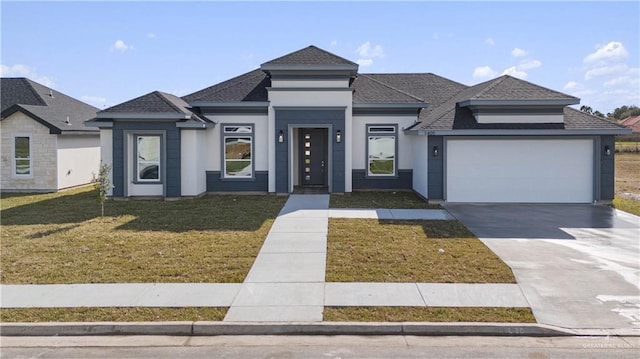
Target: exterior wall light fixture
(338, 136)
(280, 136)
(607, 151)
(435, 151)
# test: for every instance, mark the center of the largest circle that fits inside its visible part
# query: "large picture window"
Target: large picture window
(381, 148)
(238, 151)
(22, 155)
(148, 158)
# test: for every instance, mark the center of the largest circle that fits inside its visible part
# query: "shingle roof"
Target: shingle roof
(153, 102)
(310, 55)
(34, 99)
(369, 90)
(249, 87)
(575, 119)
(510, 88)
(632, 122)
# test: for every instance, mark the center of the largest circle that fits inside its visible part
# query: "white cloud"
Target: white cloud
(20, 70)
(571, 85)
(515, 72)
(96, 101)
(151, 35)
(333, 43)
(367, 53)
(529, 64)
(489, 41)
(120, 45)
(605, 71)
(483, 72)
(518, 52)
(613, 51)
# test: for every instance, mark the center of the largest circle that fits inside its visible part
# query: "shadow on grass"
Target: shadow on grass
(218, 213)
(441, 229)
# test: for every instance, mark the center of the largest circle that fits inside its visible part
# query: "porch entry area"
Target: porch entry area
(311, 160)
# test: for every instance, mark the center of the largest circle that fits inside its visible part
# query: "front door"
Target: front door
(313, 156)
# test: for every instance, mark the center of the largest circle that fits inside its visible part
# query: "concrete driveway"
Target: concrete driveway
(577, 265)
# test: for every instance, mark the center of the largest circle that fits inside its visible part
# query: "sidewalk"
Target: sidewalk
(286, 282)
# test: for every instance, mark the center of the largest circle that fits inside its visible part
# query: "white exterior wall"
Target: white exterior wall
(261, 149)
(78, 159)
(511, 118)
(420, 151)
(106, 152)
(43, 155)
(405, 149)
(275, 83)
(193, 176)
(310, 98)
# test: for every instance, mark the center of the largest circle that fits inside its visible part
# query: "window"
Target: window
(22, 155)
(148, 158)
(381, 148)
(238, 151)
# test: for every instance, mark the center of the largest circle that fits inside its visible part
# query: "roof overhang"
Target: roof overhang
(142, 116)
(229, 104)
(554, 102)
(522, 132)
(196, 124)
(392, 105)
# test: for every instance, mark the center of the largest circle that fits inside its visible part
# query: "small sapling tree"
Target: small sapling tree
(102, 183)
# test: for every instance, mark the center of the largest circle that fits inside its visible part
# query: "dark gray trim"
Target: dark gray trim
(554, 102)
(606, 168)
(172, 159)
(518, 111)
(222, 150)
(208, 111)
(195, 125)
(582, 132)
(303, 67)
(289, 118)
(404, 180)
(363, 111)
(381, 134)
(133, 116)
(260, 183)
(413, 105)
(310, 108)
(98, 124)
(435, 168)
(319, 89)
(308, 76)
(247, 104)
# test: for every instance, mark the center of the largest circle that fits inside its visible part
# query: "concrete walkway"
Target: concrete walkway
(286, 282)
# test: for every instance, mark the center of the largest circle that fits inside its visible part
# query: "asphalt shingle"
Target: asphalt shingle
(310, 55)
(249, 87)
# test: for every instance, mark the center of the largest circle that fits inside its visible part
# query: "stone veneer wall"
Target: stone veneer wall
(43, 155)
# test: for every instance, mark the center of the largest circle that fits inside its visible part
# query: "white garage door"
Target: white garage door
(547, 171)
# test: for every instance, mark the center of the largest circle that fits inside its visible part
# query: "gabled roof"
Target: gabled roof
(506, 89)
(632, 122)
(310, 55)
(249, 87)
(45, 105)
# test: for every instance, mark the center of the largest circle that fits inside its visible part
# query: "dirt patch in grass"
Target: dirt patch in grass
(428, 314)
(137, 314)
(60, 238)
(628, 173)
(400, 200)
(367, 250)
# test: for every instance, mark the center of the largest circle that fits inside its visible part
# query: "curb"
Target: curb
(320, 328)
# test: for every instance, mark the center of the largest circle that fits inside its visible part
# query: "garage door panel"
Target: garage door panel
(552, 171)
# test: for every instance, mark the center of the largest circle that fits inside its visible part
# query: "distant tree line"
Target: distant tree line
(618, 114)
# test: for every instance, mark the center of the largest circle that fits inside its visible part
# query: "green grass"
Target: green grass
(137, 314)
(367, 250)
(627, 204)
(60, 238)
(428, 314)
(405, 200)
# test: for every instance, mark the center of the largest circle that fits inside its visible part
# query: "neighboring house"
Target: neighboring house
(632, 122)
(45, 144)
(309, 119)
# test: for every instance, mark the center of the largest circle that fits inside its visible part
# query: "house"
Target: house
(45, 144)
(310, 120)
(632, 122)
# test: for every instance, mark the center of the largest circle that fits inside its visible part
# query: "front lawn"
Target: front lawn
(61, 238)
(367, 250)
(428, 314)
(391, 200)
(135, 314)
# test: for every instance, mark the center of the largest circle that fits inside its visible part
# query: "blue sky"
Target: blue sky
(108, 52)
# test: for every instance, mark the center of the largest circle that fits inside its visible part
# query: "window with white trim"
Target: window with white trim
(22, 155)
(237, 161)
(381, 150)
(148, 165)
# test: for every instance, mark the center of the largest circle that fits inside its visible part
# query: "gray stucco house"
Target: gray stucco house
(310, 120)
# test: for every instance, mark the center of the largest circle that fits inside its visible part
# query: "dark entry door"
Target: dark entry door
(313, 156)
